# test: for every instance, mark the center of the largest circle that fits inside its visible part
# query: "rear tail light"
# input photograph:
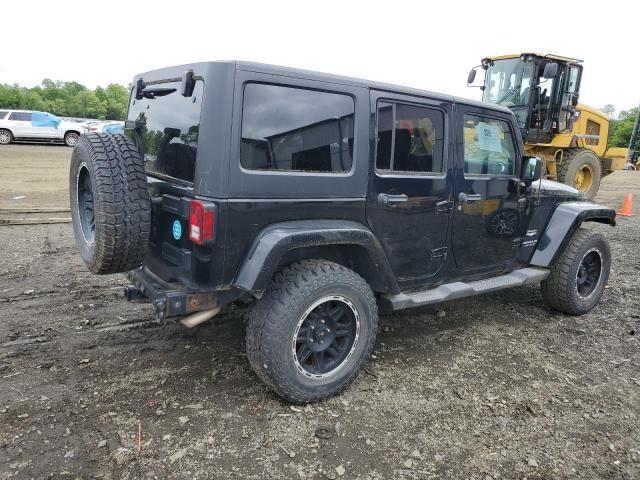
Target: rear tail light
(201, 222)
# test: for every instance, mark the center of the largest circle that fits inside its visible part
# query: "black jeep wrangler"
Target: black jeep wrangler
(317, 199)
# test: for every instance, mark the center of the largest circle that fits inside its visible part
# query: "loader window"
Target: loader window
(509, 83)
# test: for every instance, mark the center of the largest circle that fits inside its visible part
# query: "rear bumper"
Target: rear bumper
(172, 299)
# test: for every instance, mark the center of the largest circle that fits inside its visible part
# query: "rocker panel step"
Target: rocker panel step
(451, 291)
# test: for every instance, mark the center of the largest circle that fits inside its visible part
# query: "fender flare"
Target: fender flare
(275, 240)
(566, 219)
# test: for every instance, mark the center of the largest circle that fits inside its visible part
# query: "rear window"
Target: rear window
(170, 124)
(3, 113)
(296, 129)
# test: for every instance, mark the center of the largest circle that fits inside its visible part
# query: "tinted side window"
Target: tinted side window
(20, 116)
(488, 146)
(295, 129)
(410, 138)
(3, 113)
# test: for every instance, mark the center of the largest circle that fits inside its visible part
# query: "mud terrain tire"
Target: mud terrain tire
(562, 288)
(276, 323)
(110, 202)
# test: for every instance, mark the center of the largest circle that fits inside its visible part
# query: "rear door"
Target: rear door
(408, 205)
(20, 124)
(489, 214)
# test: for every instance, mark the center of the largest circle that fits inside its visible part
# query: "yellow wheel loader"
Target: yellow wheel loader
(543, 91)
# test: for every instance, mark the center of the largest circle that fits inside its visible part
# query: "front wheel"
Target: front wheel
(581, 169)
(308, 336)
(579, 275)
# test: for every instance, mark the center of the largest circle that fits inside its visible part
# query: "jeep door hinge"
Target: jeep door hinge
(440, 253)
(444, 206)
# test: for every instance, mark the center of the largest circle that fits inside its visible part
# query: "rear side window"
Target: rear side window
(3, 113)
(296, 129)
(169, 124)
(488, 146)
(20, 116)
(410, 139)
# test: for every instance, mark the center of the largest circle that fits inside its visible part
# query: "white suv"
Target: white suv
(37, 126)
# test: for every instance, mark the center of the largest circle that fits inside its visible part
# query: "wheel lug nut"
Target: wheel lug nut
(311, 340)
(322, 321)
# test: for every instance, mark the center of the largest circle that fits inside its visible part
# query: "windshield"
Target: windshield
(508, 83)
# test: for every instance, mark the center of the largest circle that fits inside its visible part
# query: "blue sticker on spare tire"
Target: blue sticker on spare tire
(177, 230)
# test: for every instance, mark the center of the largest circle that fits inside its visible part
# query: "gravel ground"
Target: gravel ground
(492, 387)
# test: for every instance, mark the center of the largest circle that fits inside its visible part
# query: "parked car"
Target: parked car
(105, 127)
(317, 199)
(28, 125)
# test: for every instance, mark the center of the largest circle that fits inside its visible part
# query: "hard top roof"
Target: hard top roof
(175, 72)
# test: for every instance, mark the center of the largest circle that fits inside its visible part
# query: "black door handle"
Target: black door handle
(386, 199)
(469, 197)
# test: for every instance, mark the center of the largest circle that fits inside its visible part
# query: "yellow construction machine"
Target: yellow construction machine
(543, 91)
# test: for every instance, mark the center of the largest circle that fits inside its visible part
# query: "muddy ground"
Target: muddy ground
(492, 387)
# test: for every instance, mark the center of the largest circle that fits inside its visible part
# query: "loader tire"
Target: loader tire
(580, 169)
(110, 202)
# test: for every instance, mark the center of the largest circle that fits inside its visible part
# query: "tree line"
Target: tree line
(71, 99)
(68, 99)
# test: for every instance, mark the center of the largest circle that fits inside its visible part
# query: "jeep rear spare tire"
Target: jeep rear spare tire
(110, 202)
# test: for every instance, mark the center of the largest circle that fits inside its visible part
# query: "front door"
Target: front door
(489, 213)
(408, 205)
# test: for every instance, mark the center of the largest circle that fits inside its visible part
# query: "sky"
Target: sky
(422, 44)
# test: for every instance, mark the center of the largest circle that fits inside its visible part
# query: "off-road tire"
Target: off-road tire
(6, 137)
(272, 324)
(121, 202)
(560, 290)
(573, 159)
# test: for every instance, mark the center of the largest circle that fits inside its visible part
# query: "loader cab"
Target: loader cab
(541, 90)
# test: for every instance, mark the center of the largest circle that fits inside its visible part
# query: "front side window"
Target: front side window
(296, 129)
(168, 124)
(410, 138)
(20, 116)
(488, 146)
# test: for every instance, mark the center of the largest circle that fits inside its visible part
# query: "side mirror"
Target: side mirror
(550, 70)
(574, 99)
(471, 77)
(531, 169)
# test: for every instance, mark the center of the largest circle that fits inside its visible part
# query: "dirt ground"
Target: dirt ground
(492, 387)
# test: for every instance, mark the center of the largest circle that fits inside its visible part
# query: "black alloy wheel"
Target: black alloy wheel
(325, 336)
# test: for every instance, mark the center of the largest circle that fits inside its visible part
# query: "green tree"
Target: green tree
(621, 129)
(68, 99)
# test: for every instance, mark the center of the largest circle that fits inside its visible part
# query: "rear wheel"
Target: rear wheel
(312, 330)
(580, 168)
(579, 275)
(71, 138)
(5, 137)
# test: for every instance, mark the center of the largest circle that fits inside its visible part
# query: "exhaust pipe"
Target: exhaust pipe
(199, 317)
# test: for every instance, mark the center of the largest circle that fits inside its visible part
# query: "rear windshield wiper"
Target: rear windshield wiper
(152, 93)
